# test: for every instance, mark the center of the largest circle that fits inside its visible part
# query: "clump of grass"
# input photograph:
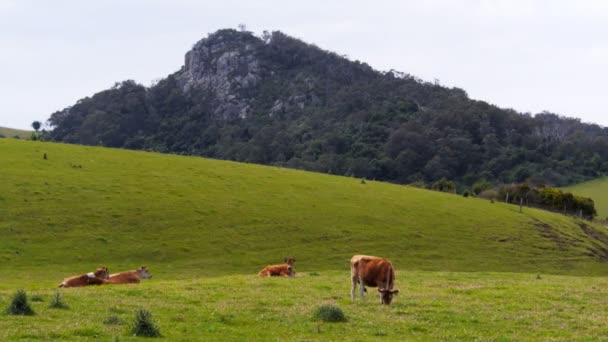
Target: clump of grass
(57, 302)
(329, 313)
(19, 305)
(313, 274)
(144, 325)
(37, 298)
(113, 320)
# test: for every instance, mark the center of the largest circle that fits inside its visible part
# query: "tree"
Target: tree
(36, 125)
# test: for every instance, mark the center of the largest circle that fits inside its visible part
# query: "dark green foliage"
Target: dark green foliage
(329, 313)
(144, 325)
(315, 110)
(466, 193)
(481, 186)
(444, 185)
(36, 125)
(19, 305)
(548, 198)
(57, 302)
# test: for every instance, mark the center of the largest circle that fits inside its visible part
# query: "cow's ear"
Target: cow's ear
(293, 260)
(395, 292)
(381, 290)
(285, 259)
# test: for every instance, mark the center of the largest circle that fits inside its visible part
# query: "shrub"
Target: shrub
(19, 305)
(444, 185)
(481, 186)
(465, 193)
(329, 313)
(57, 302)
(144, 325)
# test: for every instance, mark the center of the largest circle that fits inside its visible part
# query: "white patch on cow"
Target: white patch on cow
(91, 275)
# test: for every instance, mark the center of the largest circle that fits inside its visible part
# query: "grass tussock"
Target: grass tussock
(329, 313)
(143, 325)
(57, 302)
(19, 305)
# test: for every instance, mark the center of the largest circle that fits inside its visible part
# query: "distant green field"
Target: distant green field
(597, 189)
(11, 133)
(205, 227)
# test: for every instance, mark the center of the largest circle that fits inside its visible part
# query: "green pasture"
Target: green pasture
(431, 306)
(467, 268)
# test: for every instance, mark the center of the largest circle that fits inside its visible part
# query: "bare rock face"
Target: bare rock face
(226, 65)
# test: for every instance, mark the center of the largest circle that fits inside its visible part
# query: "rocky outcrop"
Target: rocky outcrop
(224, 64)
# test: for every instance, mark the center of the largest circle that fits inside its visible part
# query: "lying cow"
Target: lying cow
(98, 277)
(285, 270)
(373, 272)
(130, 277)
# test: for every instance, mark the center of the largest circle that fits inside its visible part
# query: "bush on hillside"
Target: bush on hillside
(444, 185)
(481, 186)
(547, 198)
(19, 305)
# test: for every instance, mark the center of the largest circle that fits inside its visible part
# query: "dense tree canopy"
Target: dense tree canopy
(314, 110)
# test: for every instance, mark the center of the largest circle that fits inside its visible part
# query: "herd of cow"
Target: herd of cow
(365, 270)
(102, 276)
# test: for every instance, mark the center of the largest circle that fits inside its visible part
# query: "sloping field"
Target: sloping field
(467, 268)
(11, 133)
(597, 189)
(186, 216)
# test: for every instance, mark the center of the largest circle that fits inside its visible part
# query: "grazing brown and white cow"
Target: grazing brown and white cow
(130, 277)
(372, 271)
(98, 277)
(285, 270)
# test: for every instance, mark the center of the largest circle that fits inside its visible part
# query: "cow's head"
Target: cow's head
(143, 273)
(387, 295)
(102, 273)
(291, 271)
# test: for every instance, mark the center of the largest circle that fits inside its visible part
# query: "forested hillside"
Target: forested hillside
(277, 100)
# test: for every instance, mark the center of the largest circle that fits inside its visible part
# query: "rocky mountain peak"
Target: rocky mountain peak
(225, 64)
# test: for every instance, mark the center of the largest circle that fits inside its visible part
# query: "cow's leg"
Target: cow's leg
(354, 281)
(362, 291)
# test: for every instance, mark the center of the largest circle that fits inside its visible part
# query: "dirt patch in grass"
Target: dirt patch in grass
(599, 242)
(548, 232)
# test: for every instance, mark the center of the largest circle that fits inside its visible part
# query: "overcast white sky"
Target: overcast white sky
(526, 55)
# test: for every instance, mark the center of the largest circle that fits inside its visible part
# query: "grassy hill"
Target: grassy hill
(11, 133)
(86, 206)
(597, 190)
(205, 227)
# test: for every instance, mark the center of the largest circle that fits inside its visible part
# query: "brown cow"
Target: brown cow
(130, 277)
(374, 272)
(98, 277)
(285, 270)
